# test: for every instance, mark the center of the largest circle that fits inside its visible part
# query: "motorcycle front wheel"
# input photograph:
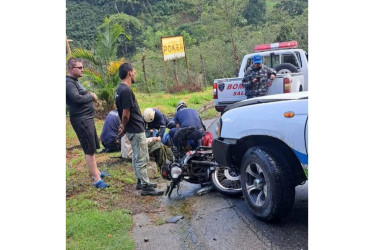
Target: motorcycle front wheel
(227, 182)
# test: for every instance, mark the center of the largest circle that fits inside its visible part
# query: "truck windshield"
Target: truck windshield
(290, 58)
(276, 59)
(299, 58)
(268, 60)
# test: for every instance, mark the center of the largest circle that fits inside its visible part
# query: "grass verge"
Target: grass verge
(89, 228)
(101, 219)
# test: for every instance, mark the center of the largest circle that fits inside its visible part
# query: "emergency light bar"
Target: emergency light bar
(273, 46)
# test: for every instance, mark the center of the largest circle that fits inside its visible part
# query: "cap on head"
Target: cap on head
(149, 115)
(181, 104)
(257, 59)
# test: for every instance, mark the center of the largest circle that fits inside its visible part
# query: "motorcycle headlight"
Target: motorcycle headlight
(175, 172)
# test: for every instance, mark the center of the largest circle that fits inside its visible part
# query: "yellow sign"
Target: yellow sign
(172, 47)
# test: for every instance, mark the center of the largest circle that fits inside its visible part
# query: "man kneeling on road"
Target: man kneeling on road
(132, 123)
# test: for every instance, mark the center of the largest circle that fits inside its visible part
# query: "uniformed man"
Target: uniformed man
(256, 79)
(184, 118)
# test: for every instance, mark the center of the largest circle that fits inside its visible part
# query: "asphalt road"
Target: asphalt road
(221, 222)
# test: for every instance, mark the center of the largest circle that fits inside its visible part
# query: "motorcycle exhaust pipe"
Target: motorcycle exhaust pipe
(206, 163)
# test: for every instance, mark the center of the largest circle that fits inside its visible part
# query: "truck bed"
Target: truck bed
(230, 90)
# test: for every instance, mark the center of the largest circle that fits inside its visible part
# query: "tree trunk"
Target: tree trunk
(145, 75)
(201, 10)
(203, 70)
(115, 6)
(175, 72)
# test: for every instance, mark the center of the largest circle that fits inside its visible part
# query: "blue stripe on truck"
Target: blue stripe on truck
(303, 158)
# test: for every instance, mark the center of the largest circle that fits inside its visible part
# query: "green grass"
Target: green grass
(210, 113)
(91, 228)
(77, 159)
(69, 172)
(168, 102)
(99, 219)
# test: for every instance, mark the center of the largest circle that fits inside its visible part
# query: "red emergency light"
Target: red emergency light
(273, 46)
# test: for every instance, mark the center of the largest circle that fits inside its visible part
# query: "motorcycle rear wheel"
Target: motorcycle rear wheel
(227, 182)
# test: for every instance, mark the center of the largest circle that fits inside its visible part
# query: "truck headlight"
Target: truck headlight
(218, 128)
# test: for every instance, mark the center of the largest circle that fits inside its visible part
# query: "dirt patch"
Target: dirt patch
(121, 195)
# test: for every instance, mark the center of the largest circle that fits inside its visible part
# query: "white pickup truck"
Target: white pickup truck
(265, 140)
(290, 63)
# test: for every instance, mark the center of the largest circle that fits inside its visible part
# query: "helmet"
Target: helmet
(181, 104)
(149, 115)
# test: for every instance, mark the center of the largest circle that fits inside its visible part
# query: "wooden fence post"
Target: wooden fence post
(203, 70)
(175, 72)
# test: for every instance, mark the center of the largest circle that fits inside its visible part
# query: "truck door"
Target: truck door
(306, 136)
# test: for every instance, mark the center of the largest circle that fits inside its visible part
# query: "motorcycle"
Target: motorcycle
(199, 167)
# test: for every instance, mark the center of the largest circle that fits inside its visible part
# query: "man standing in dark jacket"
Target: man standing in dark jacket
(81, 111)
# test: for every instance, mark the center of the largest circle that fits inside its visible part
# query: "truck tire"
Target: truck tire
(284, 68)
(227, 182)
(267, 183)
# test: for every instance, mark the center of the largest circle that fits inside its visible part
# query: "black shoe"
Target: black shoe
(149, 190)
(139, 185)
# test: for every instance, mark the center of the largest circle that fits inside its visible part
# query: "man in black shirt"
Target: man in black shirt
(81, 111)
(132, 123)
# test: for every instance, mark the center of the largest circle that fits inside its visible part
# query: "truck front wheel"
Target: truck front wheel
(267, 183)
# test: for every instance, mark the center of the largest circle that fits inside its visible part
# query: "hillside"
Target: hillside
(217, 31)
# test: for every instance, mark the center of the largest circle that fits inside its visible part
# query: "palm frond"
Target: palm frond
(94, 77)
(83, 53)
(112, 68)
(107, 40)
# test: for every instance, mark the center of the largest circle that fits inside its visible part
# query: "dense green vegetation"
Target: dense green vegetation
(217, 34)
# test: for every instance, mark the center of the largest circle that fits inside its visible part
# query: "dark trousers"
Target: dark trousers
(112, 146)
(180, 135)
